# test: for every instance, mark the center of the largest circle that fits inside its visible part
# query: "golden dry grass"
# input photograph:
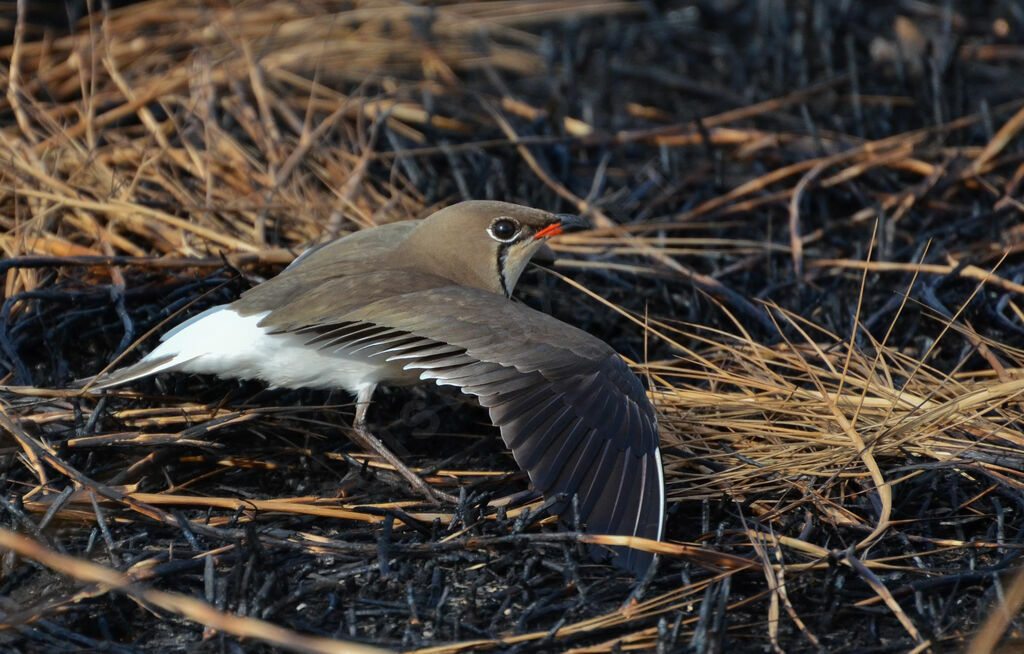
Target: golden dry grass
(175, 133)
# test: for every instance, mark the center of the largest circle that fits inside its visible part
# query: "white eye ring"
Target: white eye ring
(504, 229)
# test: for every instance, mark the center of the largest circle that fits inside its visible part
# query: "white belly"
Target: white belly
(221, 342)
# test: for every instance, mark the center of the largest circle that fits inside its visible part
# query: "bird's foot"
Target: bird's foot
(371, 443)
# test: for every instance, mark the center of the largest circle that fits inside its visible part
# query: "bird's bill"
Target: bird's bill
(566, 222)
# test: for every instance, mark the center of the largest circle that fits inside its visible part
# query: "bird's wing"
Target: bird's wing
(332, 269)
(576, 418)
(305, 296)
(359, 246)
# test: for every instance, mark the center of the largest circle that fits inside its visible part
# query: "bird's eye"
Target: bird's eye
(503, 229)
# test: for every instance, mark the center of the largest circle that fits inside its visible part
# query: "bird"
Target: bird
(431, 300)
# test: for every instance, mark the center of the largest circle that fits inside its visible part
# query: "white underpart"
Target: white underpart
(221, 342)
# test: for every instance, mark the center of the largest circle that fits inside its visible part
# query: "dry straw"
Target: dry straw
(164, 135)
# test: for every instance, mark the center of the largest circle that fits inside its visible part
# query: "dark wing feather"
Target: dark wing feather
(574, 415)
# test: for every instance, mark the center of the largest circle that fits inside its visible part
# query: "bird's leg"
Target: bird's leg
(371, 443)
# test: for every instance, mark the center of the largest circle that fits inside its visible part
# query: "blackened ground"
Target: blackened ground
(412, 585)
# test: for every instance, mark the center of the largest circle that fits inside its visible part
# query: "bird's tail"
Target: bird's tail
(135, 371)
(180, 346)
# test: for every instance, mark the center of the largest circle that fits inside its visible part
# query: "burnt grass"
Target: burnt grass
(409, 581)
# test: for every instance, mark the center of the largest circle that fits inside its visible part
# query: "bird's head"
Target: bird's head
(484, 244)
